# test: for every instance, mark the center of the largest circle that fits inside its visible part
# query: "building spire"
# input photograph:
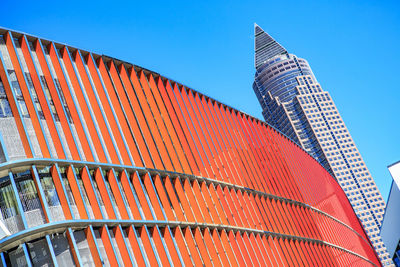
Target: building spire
(265, 47)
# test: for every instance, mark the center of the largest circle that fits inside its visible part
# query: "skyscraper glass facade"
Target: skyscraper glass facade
(294, 102)
(107, 163)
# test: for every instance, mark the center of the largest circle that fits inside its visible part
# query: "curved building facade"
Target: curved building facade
(106, 163)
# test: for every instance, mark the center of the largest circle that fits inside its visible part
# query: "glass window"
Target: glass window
(50, 193)
(9, 212)
(39, 253)
(62, 250)
(29, 199)
(83, 247)
(17, 258)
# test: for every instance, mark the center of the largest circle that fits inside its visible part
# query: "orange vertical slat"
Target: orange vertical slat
(187, 232)
(200, 199)
(245, 209)
(250, 249)
(147, 246)
(239, 249)
(90, 193)
(245, 251)
(265, 220)
(190, 114)
(224, 256)
(159, 246)
(314, 254)
(212, 249)
(60, 192)
(300, 252)
(203, 129)
(219, 141)
(254, 210)
(306, 254)
(104, 194)
(233, 205)
(80, 204)
(139, 257)
(230, 148)
(276, 210)
(92, 247)
(273, 221)
(170, 246)
(233, 135)
(207, 258)
(264, 251)
(252, 145)
(277, 251)
(286, 217)
(231, 249)
(295, 251)
(310, 253)
(112, 180)
(123, 250)
(289, 253)
(183, 247)
(140, 194)
(129, 196)
(257, 250)
(323, 255)
(285, 254)
(275, 260)
(105, 238)
(73, 248)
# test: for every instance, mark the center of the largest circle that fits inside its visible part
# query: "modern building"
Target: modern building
(293, 102)
(107, 163)
(390, 230)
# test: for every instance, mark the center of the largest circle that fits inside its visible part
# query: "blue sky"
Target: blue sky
(352, 47)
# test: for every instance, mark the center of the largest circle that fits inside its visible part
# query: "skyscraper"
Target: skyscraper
(106, 163)
(293, 101)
